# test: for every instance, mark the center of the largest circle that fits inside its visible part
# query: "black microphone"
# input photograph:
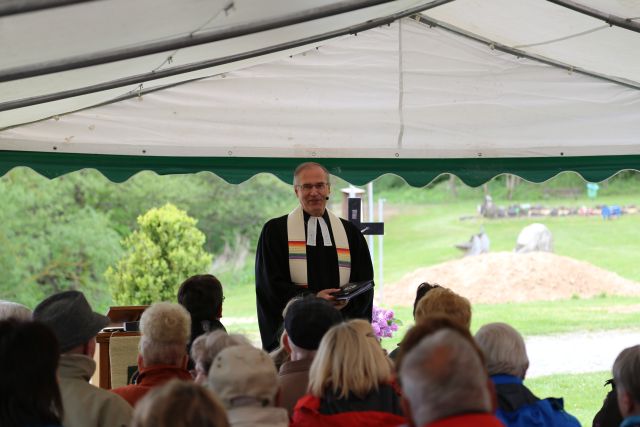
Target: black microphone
(326, 198)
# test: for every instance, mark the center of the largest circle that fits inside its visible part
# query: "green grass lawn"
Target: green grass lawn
(544, 318)
(422, 235)
(583, 393)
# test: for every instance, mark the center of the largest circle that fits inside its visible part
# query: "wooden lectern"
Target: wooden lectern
(118, 316)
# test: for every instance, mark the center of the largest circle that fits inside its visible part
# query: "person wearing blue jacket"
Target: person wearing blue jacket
(507, 364)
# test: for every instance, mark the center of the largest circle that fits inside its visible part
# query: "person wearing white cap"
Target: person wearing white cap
(246, 381)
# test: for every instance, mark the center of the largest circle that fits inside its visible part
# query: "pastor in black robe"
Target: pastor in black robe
(274, 287)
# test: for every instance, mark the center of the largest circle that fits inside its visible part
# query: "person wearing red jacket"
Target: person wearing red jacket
(349, 383)
(166, 329)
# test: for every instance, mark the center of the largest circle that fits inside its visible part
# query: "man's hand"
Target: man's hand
(326, 294)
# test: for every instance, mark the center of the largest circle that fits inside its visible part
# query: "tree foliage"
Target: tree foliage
(49, 242)
(166, 249)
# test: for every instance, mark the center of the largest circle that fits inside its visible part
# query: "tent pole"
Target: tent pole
(154, 75)
(612, 20)
(523, 54)
(16, 7)
(190, 40)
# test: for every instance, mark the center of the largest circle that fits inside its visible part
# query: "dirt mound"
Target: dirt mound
(507, 276)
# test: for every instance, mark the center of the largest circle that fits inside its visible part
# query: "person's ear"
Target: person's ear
(406, 409)
(140, 361)
(285, 342)
(89, 348)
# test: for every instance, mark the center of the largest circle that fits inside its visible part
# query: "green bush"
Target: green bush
(166, 249)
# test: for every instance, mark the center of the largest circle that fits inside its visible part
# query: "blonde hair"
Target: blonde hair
(443, 301)
(348, 363)
(365, 328)
(166, 329)
(180, 404)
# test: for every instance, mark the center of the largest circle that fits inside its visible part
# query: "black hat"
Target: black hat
(71, 318)
(308, 319)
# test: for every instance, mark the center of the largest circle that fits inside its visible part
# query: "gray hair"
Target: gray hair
(306, 165)
(443, 376)
(13, 310)
(504, 349)
(207, 346)
(626, 372)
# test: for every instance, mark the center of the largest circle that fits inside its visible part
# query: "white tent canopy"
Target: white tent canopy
(407, 98)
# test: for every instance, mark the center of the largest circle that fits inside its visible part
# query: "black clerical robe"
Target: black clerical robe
(274, 287)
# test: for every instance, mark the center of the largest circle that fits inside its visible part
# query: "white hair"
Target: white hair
(166, 328)
(443, 376)
(504, 349)
(13, 310)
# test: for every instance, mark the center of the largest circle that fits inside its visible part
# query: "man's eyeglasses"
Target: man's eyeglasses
(320, 186)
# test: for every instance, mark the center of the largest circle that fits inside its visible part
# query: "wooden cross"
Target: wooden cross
(366, 228)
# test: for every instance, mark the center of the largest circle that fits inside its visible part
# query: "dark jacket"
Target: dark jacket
(609, 415)
(518, 407)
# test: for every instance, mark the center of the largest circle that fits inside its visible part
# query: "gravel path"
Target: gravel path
(574, 352)
(577, 352)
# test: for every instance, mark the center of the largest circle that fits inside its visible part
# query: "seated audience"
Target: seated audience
(445, 384)
(29, 394)
(349, 383)
(421, 291)
(163, 356)
(13, 310)
(443, 301)
(70, 317)
(305, 323)
(206, 347)
(246, 381)
(280, 354)
(429, 326)
(626, 375)
(507, 364)
(180, 404)
(202, 296)
(609, 414)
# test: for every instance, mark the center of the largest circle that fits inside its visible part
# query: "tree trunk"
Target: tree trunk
(452, 186)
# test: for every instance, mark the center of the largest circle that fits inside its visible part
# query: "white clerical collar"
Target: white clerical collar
(312, 228)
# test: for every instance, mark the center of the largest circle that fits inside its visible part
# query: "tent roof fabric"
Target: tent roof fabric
(406, 98)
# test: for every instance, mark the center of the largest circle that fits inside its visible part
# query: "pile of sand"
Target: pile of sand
(507, 276)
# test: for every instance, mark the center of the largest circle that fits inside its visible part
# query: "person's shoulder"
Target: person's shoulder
(348, 225)
(113, 400)
(274, 227)
(276, 222)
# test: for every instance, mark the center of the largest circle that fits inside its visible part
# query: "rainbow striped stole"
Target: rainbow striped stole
(297, 249)
(297, 243)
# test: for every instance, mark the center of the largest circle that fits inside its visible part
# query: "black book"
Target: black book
(352, 289)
